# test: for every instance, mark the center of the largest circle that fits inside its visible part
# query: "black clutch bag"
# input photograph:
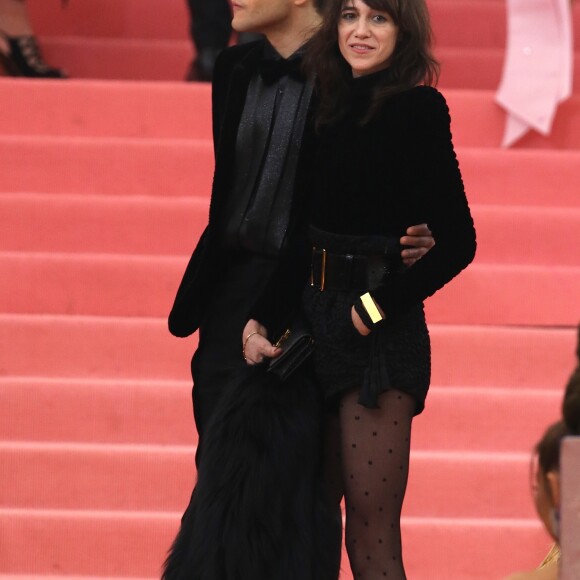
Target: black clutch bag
(297, 344)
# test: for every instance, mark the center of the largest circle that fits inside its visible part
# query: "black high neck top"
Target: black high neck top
(397, 170)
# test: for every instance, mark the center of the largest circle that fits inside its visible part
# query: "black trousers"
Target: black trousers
(210, 23)
(218, 365)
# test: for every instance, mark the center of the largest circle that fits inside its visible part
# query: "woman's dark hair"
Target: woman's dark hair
(571, 404)
(319, 5)
(548, 448)
(412, 61)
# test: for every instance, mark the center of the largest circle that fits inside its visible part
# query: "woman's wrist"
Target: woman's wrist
(363, 314)
(368, 311)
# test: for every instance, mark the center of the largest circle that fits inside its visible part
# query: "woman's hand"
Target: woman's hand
(420, 238)
(358, 323)
(255, 346)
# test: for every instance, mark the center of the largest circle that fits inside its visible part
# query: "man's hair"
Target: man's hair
(319, 5)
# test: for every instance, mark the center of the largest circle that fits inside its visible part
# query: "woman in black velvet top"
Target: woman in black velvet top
(385, 159)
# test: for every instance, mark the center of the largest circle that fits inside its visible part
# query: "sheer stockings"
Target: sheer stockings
(374, 451)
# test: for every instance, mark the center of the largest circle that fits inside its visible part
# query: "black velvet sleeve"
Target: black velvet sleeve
(183, 318)
(433, 185)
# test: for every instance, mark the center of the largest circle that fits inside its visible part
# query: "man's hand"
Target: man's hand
(255, 346)
(421, 241)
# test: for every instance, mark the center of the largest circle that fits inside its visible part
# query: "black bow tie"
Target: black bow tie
(273, 69)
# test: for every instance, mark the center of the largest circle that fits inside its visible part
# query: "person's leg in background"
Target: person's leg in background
(19, 51)
(211, 30)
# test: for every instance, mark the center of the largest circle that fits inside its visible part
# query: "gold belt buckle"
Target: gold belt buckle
(322, 268)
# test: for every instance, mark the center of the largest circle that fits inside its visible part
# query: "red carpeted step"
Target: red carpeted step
(485, 294)
(134, 543)
(159, 413)
(105, 109)
(442, 484)
(104, 285)
(521, 177)
(471, 549)
(483, 356)
(97, 477)
(161, 226)
(83, 410)
(124, 19)
(85, 346)
(119, 59)
(85, 542)
(97, 285)
(483, 22)
(476, 23)
(106, 166)
(490, 418)
(160, 478)
(477, 121)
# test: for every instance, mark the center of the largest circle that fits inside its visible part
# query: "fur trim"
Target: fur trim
(257, 511)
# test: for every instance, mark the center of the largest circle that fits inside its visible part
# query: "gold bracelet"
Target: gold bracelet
(246, 342)
(371, 308)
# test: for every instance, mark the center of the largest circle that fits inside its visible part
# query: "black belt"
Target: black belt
(348, 271)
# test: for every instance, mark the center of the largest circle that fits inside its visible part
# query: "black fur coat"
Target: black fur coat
(257, 511)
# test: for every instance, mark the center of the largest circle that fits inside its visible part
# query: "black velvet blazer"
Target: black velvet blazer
(397, 170)
(233, 72)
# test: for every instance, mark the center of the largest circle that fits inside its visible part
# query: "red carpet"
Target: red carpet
(103, 194)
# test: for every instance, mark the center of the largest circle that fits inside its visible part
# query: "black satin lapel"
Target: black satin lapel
(225, 153)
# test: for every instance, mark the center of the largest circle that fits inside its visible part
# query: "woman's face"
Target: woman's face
(366, 37)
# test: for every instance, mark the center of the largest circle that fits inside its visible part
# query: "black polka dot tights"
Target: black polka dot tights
(367, 459)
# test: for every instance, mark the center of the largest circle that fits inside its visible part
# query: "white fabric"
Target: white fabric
(538, 67)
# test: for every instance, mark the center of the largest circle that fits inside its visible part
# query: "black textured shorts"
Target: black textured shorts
(396, 355)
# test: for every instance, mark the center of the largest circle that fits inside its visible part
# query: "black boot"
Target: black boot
(25, 60)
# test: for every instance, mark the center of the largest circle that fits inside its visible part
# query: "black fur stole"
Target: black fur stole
(257, 511)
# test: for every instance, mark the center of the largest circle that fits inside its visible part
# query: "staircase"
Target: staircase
(104, 185)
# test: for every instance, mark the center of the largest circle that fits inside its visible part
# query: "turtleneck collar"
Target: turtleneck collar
(366, 83)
